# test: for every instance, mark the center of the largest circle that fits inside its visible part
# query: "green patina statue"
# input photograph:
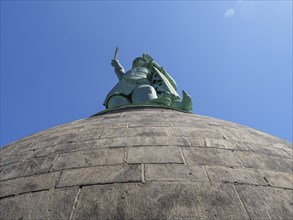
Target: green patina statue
(147, 83)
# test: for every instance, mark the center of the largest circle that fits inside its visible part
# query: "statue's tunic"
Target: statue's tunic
(130, 80)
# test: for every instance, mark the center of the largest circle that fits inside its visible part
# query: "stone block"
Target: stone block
(44, 142)
(157, 200)
(222, 143)
(265, 162)
(112, 133)
(288, 148)
(14, 158)
(278, 179)
(194, 132)
(142, 120)
(149, 114)
(267, 149)
(149, 141)
(210, 156)
(235, 175)
(28, 184)
(85, 133)
(172, 141)
(15, 148)
(189, 123)
(52, 204)
(146, 131)
(196, 142)
(27, 168)
(243, 134)
(266, 202)
(104, 156)
(132, 141)
(154, 154)
(83, 145)
(100, 175)
(109, 126)
(71, 147)
(175, 172)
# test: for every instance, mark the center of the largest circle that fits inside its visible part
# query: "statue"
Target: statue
(147, 83)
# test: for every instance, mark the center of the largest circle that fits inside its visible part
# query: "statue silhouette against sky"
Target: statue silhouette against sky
(146, 83)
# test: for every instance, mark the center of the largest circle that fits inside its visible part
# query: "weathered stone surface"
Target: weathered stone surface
(70, 147)
(26, 168)
(52, 204)
(149, 141)
(189, 123)
(104, 156)
(14, 158)
(44, 142)
(158, 154)
(288, 148)
(170, 172)
(85, 133)
(28, 184)
(278, 179)
(266, 202)
(265, 162)
(194, 132)
(139, 167)
(267, 149)
(146, 131)
(115, 132)
(234, 133)
(159, 201)
(235, 175)
(14, 148)
(197, 142)
(132, 141)
(101, 174)
(221, 143)
(195, 155)
(153, 122)
(108, 125)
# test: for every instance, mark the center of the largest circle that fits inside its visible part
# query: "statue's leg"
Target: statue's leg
(117, 101)
(143, 94)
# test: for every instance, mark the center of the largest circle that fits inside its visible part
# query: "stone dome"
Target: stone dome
(147, 163)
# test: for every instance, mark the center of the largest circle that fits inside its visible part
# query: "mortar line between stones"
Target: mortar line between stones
(188, 141)
(74, 204)
(182, 155)
(54, 162)
(167, 131)
(241, 201)
(165, 114)
(205, 169)
(205, 142)
(23, 193)
(58, 179)
(265, 179)
(57, 141)
(169, 119)
(125, 154)
(142, 173)
(100, 184)
(235, 154)
(27, 157)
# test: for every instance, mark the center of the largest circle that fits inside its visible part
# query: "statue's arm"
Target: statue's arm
(119, 70)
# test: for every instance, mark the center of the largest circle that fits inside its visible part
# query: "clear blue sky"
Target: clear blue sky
(233, 57)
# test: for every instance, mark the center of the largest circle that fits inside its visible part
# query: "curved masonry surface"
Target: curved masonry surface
(147, 163)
